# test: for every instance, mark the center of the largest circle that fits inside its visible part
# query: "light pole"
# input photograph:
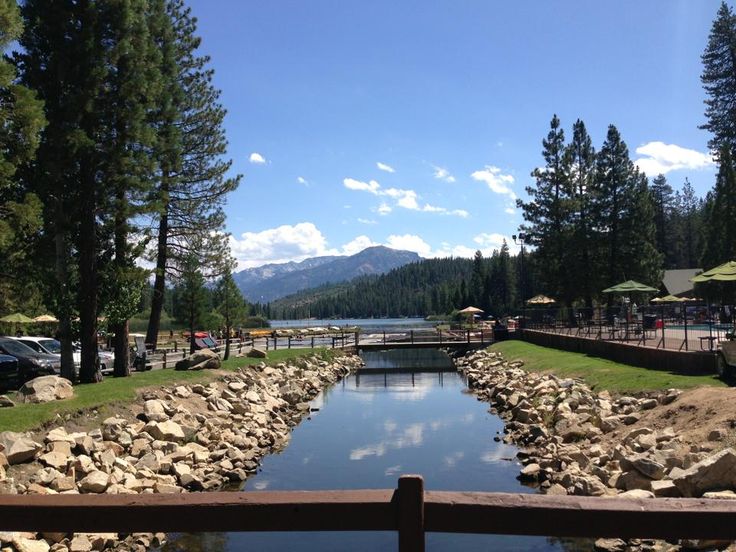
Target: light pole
(519, 240)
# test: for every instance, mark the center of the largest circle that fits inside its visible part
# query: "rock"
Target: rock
(204, 359)
(610, 545)
(530, 472)
(165, 431)
(154, 411)
(182, 392)
(23, 544)
(556, 489)
(46, 389)
(5, 401)
(631, 480)
(648, 467)
(665, 489)
(717, 435)
(95, 482)
(648, 404)
(257, 353)
(716, 472)
(636, 493)
(720, 495)
(56, 460)
(18, 448)
(80, 543)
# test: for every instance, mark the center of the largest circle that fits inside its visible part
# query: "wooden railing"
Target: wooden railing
(408, 509)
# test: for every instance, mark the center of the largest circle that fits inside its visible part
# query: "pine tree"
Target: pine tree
(192, 296)
(546, 214)
(720, 230)
(719, 81)
(581, 264)
(192, 182)
(230, 304)
(642, 261)
(691, 213)
(666, 227)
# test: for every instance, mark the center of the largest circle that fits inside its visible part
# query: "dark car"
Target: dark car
(8, 372)
(30, 363)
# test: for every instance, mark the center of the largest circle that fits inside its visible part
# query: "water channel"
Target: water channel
(369, 429)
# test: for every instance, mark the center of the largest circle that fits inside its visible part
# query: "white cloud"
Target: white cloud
(352, 184)
(408, 199)
(441, 173)
(496, 180)
(279, 245)
(302, 180)
(410, 242)
(257, 158)
(510, 210)
(661, 158)
(357, 245)
(385, 168)
(367, 221)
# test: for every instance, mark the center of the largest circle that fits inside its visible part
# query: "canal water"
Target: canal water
(369, 429)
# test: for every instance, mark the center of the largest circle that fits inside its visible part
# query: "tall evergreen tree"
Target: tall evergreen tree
(230, 304)
(192, 175)
(192, 296)
(690, 212)
(547, 211)
(580, 268)
(666, 228)
(21, 121)
(641, 259)
(720, 230)
(719, 81)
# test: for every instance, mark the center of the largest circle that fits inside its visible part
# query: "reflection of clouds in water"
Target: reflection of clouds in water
(261, 485)
(436, 425)
(390, 426)
(451, 460)
(469, 418)
(411, 436)
(503, 453)
(392, 470)
(306, 460)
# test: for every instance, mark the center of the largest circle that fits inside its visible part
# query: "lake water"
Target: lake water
(367, 324)
(369, 429)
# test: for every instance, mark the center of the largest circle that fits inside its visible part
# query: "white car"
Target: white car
(48, 346)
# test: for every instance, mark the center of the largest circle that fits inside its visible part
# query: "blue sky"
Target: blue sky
(452, 98)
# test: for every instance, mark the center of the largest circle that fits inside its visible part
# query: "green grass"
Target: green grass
(598, 373)
(115, 391)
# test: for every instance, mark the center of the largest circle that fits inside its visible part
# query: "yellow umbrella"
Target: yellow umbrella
(540, 300)
(45, 318)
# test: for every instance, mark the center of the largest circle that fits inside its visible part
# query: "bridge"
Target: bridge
(425, 338)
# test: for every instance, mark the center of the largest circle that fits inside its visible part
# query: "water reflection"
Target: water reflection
(373, 427)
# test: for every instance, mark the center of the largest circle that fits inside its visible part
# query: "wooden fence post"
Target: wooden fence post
(411, 513)
(164, 359)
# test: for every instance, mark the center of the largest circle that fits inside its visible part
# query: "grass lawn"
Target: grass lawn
(111, 391)
(598, 373)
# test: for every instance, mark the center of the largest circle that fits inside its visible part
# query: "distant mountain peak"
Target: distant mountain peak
(272, 281)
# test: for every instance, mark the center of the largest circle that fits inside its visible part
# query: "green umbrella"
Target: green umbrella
(668, 299)
(17, 318)
(629, 286)
(722, 273)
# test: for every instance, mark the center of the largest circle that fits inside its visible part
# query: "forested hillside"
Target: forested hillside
(432, 286)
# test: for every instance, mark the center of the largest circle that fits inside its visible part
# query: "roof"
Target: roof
(678, 281)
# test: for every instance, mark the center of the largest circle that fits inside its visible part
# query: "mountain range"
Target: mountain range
(272, 281)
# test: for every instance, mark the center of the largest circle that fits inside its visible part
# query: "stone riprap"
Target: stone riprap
(185, 438)
(561, 426)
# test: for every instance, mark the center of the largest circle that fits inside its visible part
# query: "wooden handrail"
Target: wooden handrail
(409, 510)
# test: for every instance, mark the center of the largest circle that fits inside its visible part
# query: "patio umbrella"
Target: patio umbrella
(470, 310)
(668, 299)
(540, 300)
(722, 273)
(45, 318)
(17, 318)
(630, 286)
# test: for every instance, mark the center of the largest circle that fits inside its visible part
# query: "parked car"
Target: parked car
(30, 363)
(8, 372)
(49, 346)
(106, 358)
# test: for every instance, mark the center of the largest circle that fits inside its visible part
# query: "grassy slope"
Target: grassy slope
(121, 390)
(597, 372)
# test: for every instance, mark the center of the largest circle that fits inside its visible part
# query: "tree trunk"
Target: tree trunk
(68, 370)
(227, 343)
(159, 284)
(122, 350)
(89, 370)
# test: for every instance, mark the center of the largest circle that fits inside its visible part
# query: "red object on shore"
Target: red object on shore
(659, 324)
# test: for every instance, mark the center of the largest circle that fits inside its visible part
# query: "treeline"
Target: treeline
(432, 286)
(113, 152)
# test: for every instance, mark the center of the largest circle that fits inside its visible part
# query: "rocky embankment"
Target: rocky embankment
(578, 442)
(179, 439)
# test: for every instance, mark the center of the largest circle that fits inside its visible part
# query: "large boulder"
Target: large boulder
(165, 431)
(46, 389)
(204, 359)
(18, 448)
(715, 473)
(257, 353)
